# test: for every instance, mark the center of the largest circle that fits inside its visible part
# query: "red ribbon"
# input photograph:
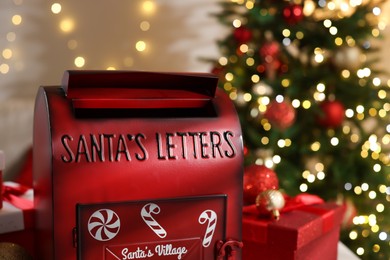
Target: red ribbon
(12, 195)
(291, 203)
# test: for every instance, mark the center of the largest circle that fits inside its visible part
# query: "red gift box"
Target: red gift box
(17, 216)
(309, 232)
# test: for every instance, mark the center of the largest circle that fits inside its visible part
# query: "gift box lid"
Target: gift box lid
(294, 229)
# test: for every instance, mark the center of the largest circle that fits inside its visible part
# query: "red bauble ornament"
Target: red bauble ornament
(245, 150)
(258, 178)
(280, 114)
(293, 13)
(269, 51)
(217, 71)
(242, 35)
(333, 113)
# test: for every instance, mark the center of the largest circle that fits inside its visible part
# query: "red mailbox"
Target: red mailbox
(137, 165)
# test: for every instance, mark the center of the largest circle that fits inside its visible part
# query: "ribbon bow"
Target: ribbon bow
(12, 194)
(292, 203)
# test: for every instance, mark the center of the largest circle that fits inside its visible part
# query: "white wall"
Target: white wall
(181, 32)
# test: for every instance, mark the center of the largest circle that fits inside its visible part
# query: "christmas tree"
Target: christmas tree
(312, 104)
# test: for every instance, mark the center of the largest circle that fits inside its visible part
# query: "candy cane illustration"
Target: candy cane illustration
(211, 217)
(104, 224)
(146, 214)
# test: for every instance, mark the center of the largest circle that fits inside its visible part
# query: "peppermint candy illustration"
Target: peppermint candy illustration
(210, 217)
(104, 224)
(146, 214)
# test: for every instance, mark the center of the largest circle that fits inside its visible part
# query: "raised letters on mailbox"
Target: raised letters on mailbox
(136, 165)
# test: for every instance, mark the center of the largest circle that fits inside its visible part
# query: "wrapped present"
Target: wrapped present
(17, 215)
(303, 232)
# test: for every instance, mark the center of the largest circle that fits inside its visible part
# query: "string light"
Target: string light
(249, 4)
(229, 76)
(237, 23)
(16, 19)
(333, 30)
(223, 61)
(243, 48)
(306, 104)
(347, 186)
(11, 36)
(303, 187)
(296, 103)
(72, 44)
(255, 78)
(148, 7)
(79, 62)
(56, 8)
(353, 235)
(67, 25)
(140, 46)
(4, 68)
(315, 146)
(7, 54)
(144, 26)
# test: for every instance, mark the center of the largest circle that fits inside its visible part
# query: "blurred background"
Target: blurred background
(40, 39)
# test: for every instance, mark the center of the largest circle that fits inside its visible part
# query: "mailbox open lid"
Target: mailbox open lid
(125, 140)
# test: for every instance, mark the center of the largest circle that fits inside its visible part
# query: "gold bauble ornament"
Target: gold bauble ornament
(270, 202)
(350, 58)
(11, 251)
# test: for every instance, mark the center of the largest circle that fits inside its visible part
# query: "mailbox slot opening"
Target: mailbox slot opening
(207, 111)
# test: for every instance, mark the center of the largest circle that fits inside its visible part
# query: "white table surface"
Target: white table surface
(344, 253)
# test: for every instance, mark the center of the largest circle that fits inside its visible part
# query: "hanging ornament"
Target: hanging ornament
(245, 150)
(333, 113)
(269, 52)
(263, 155)
(258, 178)
(11, 251)
(218, 71)
(293, 13)
(310, 163)
(242, 35)
(240, 100)
(350, 58)
(320, 56)
(270, 202)
(349, 214)
(280, 114)
(262, 89)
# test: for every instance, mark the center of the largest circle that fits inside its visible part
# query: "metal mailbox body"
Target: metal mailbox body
(137, 139)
